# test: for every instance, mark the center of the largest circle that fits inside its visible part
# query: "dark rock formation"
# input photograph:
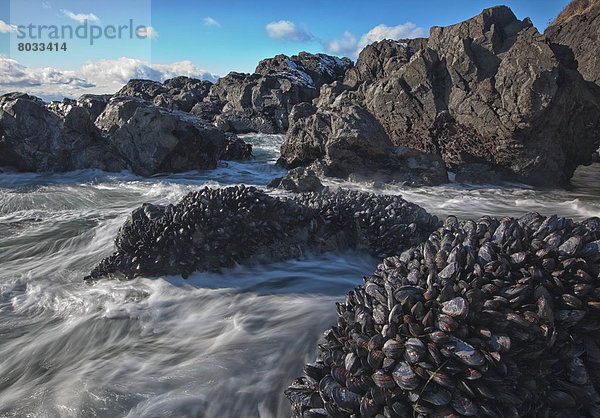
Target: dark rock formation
(219, 228)
(206, 110)
(378, 60)
(257, 103)
(312, 69)
(57, 137)
(179, 93)
(298, 180)
(349, 141)
(94, 104)
(108, 134)
(578, 28)
(152, 139)
(261, 102)
(236, 149)
(488, 319)
(489, 90)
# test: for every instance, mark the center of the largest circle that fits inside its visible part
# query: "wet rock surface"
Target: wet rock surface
(236, 149)
(218, 228)
(492, 318)
(489, 90)
(298, 180)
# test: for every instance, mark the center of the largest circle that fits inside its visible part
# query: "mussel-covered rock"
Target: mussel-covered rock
(218, 228)
(493, 318)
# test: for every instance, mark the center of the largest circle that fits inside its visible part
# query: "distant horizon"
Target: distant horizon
(98, 47)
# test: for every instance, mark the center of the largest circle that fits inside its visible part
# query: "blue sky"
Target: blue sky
(200, 37)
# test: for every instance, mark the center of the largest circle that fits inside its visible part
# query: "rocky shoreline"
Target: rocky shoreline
(490, 99)
(495, 318)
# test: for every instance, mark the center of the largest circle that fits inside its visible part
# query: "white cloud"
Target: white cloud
(94, 77)
(380, 32)
(209, 21)
(5, 27)
(284, 30)
(346, 45)
(349, 45)
(148, 32)
(80, 17)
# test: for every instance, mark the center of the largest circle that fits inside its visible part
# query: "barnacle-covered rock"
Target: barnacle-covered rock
(511, 329)
(218, 228)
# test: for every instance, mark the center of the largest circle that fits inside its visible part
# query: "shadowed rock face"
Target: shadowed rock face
(219, 228)
(345, 140)
(108, 134)
(493, 318)
(153, 140)
(57, 137)
(489, 90)
(261, 102)
(578, 28)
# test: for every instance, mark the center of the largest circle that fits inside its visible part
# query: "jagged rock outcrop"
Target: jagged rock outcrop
(312, 69)
(488, 91)
(56, 137)
(179, 93)
(378, 60)
(94, 103)
(347, 141)
(298, 180)
(261, 102)
(152, 139)
(109, 134)
(213, 229)
(235, 148)
(578, 28)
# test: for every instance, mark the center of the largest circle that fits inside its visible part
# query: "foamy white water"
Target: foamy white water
(213, 345)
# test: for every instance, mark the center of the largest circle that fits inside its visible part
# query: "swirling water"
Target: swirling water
(222, 344)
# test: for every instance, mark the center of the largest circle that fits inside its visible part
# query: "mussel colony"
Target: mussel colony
(212, 229)
(495, 318)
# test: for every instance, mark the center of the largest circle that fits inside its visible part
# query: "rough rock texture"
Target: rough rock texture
(298, 180)
(498, 318)
(94, 104)
(489, 90)
(349, 141)
(108, 134)
(179, 93)
(257, 103)
(218, 228)
(378, 60)
(57, 137)
(152, 139)
(578, 27)
(312, 69)
(261, 102)
(236, 149)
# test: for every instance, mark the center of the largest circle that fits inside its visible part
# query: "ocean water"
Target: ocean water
(215, 345)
